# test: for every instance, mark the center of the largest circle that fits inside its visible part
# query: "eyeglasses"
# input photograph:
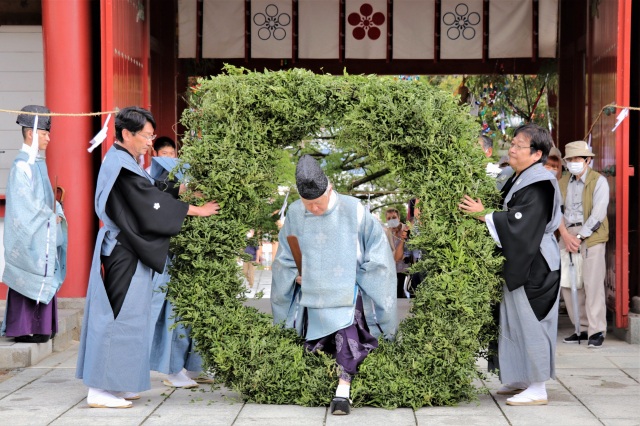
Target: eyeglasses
(147, 137)
(516, 146)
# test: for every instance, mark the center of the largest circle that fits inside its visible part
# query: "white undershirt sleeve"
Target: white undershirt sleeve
(492, 228)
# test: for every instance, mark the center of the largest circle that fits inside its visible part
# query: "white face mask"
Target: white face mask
(393, 223)
(575, 167)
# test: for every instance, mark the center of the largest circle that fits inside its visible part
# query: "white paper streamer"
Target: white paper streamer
(100, 136)
(284, 206)
(620, 118)
(33, 149)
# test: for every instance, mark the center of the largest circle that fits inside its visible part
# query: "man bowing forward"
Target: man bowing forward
(345, 296)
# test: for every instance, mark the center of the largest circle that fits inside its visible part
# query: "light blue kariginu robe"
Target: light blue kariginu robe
(35, 264)
(172, 348)
(343, 250)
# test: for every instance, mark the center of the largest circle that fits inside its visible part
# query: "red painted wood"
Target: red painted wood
(125, 57)
(66, 31)
(624, 171)
(163, 91)
(607, 76)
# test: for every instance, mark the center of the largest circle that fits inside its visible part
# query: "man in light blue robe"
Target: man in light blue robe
(346, 295)
(131, 247)
(35, 240)
(173, 350)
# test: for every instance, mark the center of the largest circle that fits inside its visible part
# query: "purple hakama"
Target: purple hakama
(349, 346)
(25, 316)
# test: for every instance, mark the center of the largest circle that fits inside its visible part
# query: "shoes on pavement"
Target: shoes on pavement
(33, 338)
(340, 406)
(129, 396)
(511, 388)
(596, 340)
(180, 380)
(574, 338)
(534, 394)
(99, 398)
(201, 377)
(526, 400)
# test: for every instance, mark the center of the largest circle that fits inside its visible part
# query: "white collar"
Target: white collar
(333, 198)
(26, 148)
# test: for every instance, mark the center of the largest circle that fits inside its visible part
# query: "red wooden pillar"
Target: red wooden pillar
(66, 31)
(163, 68)
(624, 169)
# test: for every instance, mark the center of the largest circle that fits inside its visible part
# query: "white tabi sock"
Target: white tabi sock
(343, 391)
(100, 398)
(200, 376)
(180, 380)
(535, 391)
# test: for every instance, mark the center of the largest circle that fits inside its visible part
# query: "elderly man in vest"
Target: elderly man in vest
(585, 230)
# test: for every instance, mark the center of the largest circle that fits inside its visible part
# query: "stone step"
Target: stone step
(19, 355)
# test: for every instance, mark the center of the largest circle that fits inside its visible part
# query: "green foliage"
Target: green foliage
(522, 98)
(239, 122)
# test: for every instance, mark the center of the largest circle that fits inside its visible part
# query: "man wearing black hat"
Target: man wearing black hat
(34, 237)
(344, 297)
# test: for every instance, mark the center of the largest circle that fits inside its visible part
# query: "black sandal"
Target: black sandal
(340, 406)
(32, 338)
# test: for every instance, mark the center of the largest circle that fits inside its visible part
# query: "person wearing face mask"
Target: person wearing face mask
(398, 238)
(585, 230)
(173, 351)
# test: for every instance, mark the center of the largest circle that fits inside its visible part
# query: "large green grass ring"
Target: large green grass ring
(237, 125)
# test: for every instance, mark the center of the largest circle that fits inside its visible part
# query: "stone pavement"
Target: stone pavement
(593, 387)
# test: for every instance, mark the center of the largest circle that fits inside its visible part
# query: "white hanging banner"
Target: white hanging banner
(510, 29)
(271, 29)
(461, 29)
(223, 23)
(318, 29)
(187, 19)
(413, 29)
(365, 29)
(547, 28)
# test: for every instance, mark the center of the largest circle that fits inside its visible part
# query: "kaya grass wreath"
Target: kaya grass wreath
(238, 123)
